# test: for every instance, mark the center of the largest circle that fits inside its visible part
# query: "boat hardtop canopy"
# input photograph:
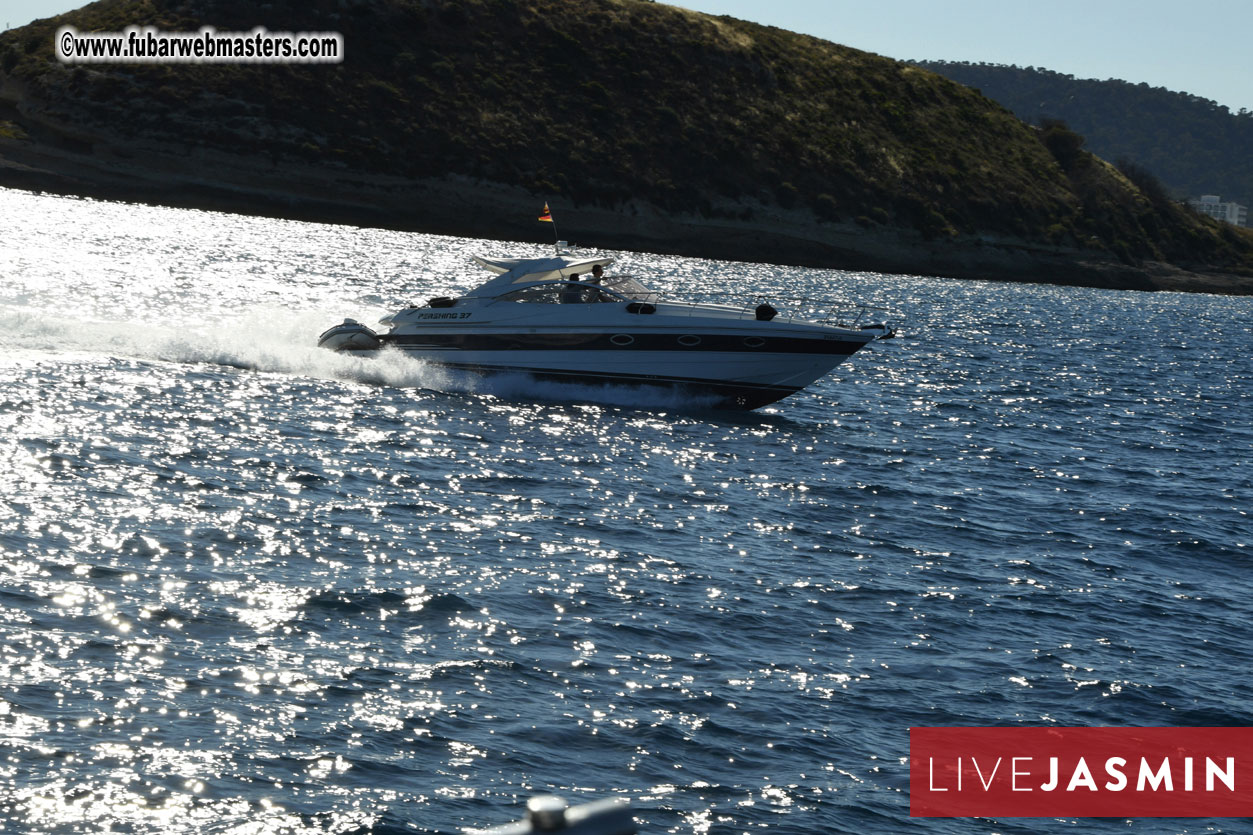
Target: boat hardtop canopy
(512, 272)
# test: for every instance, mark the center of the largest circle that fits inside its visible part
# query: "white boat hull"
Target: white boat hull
(745, 378)
(729, 383)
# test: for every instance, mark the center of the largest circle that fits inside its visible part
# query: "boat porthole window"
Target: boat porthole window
(754, 341)
(689, 340)
(622, 339)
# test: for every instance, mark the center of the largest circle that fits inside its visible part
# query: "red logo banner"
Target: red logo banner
(1081, 772)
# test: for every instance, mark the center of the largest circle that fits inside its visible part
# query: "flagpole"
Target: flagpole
(547, 217)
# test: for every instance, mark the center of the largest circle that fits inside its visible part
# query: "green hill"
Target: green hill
(644, 125)
(1194, 145)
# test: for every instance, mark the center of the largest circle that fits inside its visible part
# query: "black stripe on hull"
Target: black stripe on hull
(721, 343)
(725, 395)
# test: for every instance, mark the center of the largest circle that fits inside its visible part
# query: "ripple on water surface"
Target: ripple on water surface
(248, 586)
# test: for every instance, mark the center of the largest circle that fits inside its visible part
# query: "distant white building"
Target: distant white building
(1212, 205)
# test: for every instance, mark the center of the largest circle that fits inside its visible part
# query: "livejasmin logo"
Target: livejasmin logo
(1081, 772)
(1019, 775)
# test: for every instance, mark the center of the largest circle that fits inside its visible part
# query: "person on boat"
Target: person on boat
(598, 272)
(572, 294)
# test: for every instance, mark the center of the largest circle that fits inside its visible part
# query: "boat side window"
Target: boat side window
(563, 292)
(630, 287)
(588, 294)
(540, 294)
(603, 296)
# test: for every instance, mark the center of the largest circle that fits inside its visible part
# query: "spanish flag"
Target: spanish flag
(547, 215)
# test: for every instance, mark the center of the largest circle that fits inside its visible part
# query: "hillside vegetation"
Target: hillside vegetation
(1194, 145)
(622, 106)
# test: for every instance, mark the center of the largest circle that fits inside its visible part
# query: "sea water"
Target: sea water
(248, 586)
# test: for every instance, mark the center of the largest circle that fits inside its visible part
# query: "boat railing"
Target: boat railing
(825, 311)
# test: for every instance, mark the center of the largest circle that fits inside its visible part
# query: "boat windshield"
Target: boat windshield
(629, 287)
(559, 292)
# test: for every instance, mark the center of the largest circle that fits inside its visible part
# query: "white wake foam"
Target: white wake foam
(272, 340)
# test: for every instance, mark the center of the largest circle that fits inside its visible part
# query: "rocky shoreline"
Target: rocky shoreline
(91, 166)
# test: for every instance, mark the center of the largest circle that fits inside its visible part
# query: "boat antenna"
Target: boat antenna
(547, 217)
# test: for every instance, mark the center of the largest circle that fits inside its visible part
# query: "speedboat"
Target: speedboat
(558, 318)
